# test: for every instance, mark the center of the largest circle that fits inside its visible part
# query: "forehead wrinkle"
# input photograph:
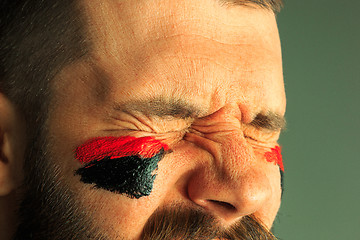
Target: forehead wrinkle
(141, 26)
(132, 74)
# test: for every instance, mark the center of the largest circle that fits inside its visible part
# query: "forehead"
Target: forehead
(198, 51)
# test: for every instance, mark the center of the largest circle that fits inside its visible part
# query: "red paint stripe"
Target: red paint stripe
(275, 156)
(116, 147)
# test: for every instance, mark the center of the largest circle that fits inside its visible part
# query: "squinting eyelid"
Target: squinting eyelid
(262, 136)
(260, 144)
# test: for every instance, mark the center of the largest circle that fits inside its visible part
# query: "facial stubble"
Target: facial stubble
(47, 208)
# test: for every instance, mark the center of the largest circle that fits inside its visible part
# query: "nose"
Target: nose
(230, 180)
(228, 198)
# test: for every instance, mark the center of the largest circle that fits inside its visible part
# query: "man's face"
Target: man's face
(218, 66)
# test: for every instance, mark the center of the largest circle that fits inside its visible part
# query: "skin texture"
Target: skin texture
(223, 60)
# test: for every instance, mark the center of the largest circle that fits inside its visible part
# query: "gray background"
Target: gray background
(321, 147)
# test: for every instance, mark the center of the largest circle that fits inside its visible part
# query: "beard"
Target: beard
(48, 210)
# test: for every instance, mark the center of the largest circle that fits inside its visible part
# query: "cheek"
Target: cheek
(117, 215)
(123, 165)
(275, 157)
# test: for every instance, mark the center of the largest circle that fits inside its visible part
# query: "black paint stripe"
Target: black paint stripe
(131, 175)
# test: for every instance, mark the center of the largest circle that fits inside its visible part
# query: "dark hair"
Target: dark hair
(37, 39)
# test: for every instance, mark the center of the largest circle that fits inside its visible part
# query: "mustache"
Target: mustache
(181, 222)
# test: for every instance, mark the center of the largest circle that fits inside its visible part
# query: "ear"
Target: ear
(12, 146)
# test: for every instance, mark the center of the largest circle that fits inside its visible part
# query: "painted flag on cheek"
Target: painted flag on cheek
(123, 165)
(275, 156)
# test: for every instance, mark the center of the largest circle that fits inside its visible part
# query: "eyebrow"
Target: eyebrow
(270, 121)
(274, 5)
(181, 109)
(162, 107)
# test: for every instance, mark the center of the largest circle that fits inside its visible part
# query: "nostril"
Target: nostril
(227, 206)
